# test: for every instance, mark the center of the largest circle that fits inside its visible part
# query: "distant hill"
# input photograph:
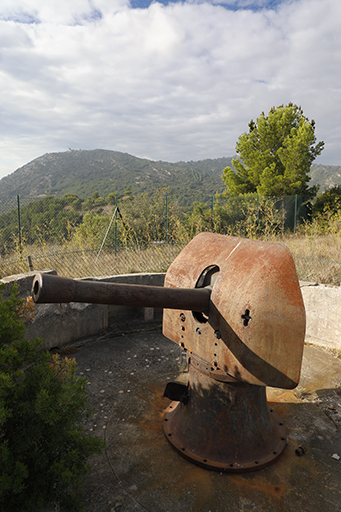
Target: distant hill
(327, 176)
(84, 172)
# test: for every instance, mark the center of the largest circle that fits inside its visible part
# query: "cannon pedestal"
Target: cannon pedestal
(225, 426)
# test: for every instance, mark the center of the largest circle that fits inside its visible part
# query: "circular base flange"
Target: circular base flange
(232, 466)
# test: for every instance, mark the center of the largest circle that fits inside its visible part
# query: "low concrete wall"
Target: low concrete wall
(60, 324)
(123, 312)
(323, 306)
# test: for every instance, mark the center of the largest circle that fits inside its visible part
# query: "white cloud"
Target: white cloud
(168, 82)
(54, 11)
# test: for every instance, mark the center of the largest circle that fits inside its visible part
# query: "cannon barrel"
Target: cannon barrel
(47, 288)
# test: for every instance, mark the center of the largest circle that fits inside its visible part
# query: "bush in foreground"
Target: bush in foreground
(43, 403)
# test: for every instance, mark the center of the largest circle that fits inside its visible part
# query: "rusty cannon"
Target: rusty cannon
(235, 308)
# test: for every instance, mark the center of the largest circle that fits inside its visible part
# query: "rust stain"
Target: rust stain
(148, 424)
(284, 396)
(275, 491)
(151, 420)
(157, 402)
(205, 488)
(186, 477)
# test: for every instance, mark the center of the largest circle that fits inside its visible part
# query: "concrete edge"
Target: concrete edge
(61, 324)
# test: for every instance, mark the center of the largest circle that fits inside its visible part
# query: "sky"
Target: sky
(163, 80)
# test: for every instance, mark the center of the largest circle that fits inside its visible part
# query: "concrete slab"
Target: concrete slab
(140, 471)
(322, 305)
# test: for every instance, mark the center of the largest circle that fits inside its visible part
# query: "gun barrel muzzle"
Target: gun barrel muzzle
(48, 288)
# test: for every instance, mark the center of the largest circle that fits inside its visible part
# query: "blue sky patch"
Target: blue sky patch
(234, 5)
(22, 17)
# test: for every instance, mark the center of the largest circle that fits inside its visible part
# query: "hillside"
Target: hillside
(327, 176)
(84, 172)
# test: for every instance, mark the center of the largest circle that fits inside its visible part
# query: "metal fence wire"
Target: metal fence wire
(82, 263)
(139, 235)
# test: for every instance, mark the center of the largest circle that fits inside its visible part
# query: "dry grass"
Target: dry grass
(317, 258)
(316, 248)
(75, 263)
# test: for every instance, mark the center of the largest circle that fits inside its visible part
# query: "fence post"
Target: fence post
(258, 210)
(106, 234)
(212, 215)
(166, 219)
(19, 225)
(116, 211)
(295, 213)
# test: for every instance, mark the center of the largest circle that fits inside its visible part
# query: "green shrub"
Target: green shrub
(100, 201)
(329, 201)
(43, 404)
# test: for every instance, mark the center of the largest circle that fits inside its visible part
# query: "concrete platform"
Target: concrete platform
(140, 471)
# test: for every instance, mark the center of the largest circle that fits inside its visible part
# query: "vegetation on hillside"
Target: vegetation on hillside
(325, 176)
(46, 219)
(267, 195)
(141, 218)
(329, 201)
(144, 217)
(84, 172)
(140, 245)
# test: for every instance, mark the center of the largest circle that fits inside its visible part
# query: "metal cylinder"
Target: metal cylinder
(224, 426)
(54, 289)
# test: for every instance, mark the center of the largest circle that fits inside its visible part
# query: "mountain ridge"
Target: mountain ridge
(83, 172)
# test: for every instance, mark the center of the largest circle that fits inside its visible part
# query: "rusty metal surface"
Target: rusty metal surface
(54, 289)
(255, 327)
(226, 426)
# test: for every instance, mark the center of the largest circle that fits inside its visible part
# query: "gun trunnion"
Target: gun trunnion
(235, 308)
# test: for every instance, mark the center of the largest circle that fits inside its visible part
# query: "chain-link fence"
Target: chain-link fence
(143, 233)
(82, 263)
(10, 221)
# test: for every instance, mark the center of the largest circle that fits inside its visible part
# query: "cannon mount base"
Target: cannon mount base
(225, 426)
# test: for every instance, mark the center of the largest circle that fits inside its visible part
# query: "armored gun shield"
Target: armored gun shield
(255, 327)
(252, 337)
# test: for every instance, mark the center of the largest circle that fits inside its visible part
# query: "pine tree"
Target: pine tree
(275, 155)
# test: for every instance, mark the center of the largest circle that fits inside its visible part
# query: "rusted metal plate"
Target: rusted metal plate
(255, 328)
